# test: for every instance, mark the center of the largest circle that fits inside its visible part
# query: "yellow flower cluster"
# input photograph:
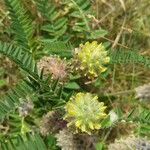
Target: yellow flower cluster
(91, 58)
(85, 112)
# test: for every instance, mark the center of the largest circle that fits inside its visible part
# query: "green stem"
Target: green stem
(120, 93)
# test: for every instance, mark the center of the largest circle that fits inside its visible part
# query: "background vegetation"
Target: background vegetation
(32, 29)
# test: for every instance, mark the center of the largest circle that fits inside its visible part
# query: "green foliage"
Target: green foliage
(32, 142)
(47, 9)
(20, 57)
(50, 92)
(59, 48)
(128, 57)
(56, 25)
(21, 24)
(63, 26)
(2, 83)
(11, 101)
(57, 29)
(100, 146)
(80, 8)
(143, 119)
(72, 85)
(71, 22)
(139, 116)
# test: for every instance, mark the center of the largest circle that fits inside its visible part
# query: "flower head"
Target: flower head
(53, 65)
(69, 141)
(113, 116)
(84, 112)
(52, 123)
(92, 58)
(143, 92)
(25, 107)
(65, 140)
(130, 142)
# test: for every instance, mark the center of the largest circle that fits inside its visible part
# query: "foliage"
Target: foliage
(21, 24)
(33, 142)
(71, 22)
(125, 57)
(44, 44)
(10, 102)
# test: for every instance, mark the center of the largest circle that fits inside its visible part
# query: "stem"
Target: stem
(22, 125)
(120, 93)
(107, 134)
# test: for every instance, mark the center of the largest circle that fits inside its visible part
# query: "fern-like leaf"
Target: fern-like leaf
(21, 23)
(20, 57)
(59, 48)
(56, 25)
(125, 57)
(81, 7)
(10, 101)
(47, 9)
(30, 142)
(57, 28)
(49, 91)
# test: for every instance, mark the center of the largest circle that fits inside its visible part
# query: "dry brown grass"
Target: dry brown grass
(126, 20)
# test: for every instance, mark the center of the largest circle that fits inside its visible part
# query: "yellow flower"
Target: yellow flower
(92, 58)
(85, 112)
